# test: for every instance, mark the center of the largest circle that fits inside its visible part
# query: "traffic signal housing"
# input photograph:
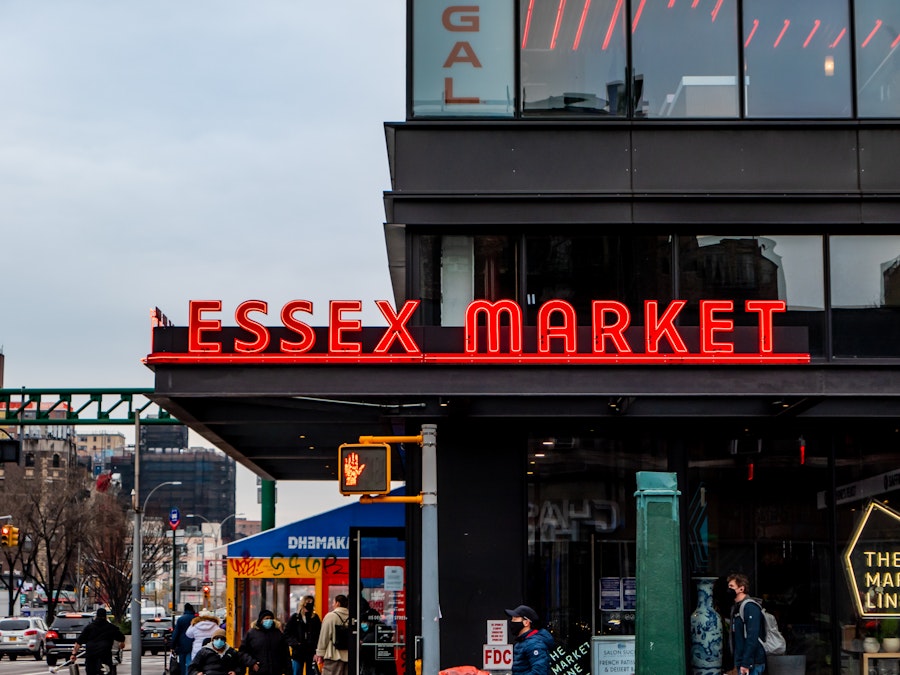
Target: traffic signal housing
(205, 594)
(364, 468)
(13, 535)
(5, 533)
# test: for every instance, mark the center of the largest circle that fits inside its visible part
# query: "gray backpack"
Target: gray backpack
(773, 641)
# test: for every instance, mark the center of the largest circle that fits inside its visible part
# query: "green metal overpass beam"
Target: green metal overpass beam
(71, 407)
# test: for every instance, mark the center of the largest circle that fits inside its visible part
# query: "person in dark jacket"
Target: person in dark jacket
(267, 646)
(749, 654)
(181, 643)
(217, 658)
(531, 645)
(98, 638)
(302, 634)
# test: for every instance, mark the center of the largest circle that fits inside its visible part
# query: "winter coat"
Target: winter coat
(745, 633)
(326, 648)
(201, 627)
(210, 662)
(531, 653)
(98, 638)
(303, 636)
(269, 648)
(181, 643)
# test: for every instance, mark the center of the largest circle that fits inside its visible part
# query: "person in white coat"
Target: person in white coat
(202, 627)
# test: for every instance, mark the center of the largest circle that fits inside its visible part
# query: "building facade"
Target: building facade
(622, 237)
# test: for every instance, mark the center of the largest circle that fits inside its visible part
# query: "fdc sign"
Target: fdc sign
(498, 657)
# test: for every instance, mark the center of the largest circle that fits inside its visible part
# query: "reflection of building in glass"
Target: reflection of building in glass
(890, 283)
(738, 269)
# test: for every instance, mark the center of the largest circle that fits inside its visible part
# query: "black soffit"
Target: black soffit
(295, 436)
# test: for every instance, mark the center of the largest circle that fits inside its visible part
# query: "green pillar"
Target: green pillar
(267, 504)
(659, 625)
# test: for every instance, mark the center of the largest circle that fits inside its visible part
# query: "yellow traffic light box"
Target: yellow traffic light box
(13, 535)
(5, 533)
(364, 468)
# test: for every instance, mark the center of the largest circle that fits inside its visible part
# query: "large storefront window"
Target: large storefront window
(581, 532)
(868, 611)
(877, 65)
(772, 267)
(865, 294)
(573, 58)
(679, 77)
(752, 502)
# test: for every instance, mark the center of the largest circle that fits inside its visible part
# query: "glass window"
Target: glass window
(454, 270)
(582, 269)
(865, 294)
(771, 267)
(753, 507)
(581, 532)
(462, 65)
(680, 77)
(877, 59)
(868, 605)
(797, 58)
(573, 57)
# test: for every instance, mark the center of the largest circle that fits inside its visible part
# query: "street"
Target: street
(151, 665)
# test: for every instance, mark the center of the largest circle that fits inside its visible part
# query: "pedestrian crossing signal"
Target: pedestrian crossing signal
(364, 468)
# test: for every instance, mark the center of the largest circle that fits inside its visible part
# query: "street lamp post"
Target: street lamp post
(218, 536)
(137, 549)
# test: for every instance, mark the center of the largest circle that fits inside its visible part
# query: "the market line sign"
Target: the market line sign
(493, 332)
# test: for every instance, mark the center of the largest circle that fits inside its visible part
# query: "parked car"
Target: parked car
(156, 635)
(22, 635)
(62, 634)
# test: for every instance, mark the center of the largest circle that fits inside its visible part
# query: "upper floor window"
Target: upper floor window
(656, 59)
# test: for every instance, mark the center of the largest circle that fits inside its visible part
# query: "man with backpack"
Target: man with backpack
(747, 627)
(333, 649)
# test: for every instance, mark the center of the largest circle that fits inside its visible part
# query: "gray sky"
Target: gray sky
(157, 151)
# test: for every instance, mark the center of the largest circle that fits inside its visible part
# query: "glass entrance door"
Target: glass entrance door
(378, 601)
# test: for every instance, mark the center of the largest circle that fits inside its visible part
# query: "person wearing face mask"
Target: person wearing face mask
(217, 658)
(749, 654)
(200, 631)
(302, 633)
(267, 646)
(531, 645)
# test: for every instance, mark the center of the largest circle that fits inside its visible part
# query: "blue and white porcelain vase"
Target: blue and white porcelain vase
(706, 631)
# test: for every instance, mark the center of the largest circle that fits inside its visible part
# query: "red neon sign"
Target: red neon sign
(494, 332)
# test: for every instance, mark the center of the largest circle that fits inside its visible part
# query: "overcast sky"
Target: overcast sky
(157, 151)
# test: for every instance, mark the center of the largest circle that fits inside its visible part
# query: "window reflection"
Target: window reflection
(573, 57)
(865, 272)
(797, 58)
(865, 295)
(772, 267)
(877, 60)
(679, 77)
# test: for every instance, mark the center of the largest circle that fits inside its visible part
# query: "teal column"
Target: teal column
(267, 504)
(659, 625)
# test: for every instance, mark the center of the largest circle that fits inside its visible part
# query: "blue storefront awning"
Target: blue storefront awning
(327, 534)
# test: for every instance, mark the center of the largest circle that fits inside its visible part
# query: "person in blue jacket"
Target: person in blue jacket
(749, 654)
(181, 643)
(531, 645)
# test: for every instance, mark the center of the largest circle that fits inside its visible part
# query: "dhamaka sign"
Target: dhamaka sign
(493, 332)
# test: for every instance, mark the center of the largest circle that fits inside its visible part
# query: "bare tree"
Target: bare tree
(107, 551)
(56, 518)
